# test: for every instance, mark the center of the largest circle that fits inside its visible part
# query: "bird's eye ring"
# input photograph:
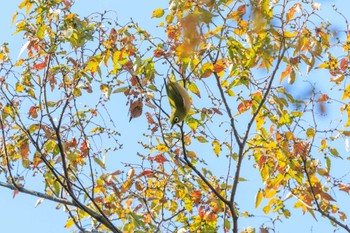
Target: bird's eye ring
(176, 119)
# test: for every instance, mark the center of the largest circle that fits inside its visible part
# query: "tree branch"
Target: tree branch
(37, 194)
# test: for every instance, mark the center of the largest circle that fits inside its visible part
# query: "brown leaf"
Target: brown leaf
(133, 81)
(135, 109)
(326, 196)
(150, 119)
(344, 188)
(342, 216)
(24, 149)
(264, 230)
(158, 53)
(217, 111)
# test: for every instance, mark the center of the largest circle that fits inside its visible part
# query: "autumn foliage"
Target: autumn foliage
(258, 116)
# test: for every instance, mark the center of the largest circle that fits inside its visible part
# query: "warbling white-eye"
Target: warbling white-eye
(179, 100)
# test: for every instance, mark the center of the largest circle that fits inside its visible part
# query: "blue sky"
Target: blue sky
(19, 214)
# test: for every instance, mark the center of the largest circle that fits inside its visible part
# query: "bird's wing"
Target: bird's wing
(174, 95)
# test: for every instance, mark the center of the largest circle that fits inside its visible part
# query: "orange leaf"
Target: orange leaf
(197, 196)
(290, 14)
(323, 97)
(218, 67)
(242, 107)
(285, 73)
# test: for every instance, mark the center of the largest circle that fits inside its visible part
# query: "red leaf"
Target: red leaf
(158, 53)
(117, 172)
(15, 193)
(201, 212)
(39, 66)
(147, 172)
(160, 159)
(344, 63)
(84, 149)
(32, 112)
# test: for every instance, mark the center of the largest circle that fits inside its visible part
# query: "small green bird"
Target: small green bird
(179, 100)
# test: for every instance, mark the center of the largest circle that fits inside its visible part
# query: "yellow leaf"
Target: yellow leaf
(216, 147)
(69, 223)
(194, 89)
(19, 62)
(323, 65)
(19, 87)
(258, 198)
(14, 17)
(207, 70)
(157, 13)
(192, 123)
(162, 148)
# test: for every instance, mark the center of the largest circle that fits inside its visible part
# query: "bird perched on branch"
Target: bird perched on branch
(179, 100)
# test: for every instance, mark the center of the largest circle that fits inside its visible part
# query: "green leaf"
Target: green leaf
(334, 152)
(51, 104)
(121, 90)
(310, 132)
(56, 188)
(99, 162)
(201, 139)
(328, 164)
